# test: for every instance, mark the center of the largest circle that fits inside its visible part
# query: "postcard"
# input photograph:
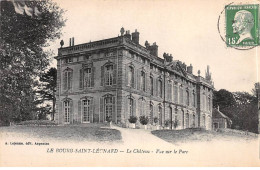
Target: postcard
(108, 83)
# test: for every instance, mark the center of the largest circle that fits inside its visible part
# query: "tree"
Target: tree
(47, 89)
(23, 38)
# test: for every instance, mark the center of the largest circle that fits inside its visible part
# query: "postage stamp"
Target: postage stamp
(242, 25)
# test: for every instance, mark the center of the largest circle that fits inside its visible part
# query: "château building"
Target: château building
(118, 77)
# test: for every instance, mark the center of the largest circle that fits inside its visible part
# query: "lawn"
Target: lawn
(80, 133)
(196, 135)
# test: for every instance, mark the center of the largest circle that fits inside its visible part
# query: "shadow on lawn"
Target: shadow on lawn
(77, 133)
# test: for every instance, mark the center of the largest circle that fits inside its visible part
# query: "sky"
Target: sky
(186, 29)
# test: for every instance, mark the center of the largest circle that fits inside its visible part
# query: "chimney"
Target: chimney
(190, 69)
(184, 66)
(135, 37)
(72, 44)
(128, 35)
(153, 49)
(70, 41)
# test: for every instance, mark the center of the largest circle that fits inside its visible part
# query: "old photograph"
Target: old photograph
(135, 83)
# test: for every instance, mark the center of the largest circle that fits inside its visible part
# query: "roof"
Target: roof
(218, 114)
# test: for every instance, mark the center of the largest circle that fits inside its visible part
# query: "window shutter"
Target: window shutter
(114, 73)
(93, 76)
(79, 111)
(102, 75)
(156, 88)
(126, 108)
(91, 116)
(138, 80)
(71, 111)
(70, 80)
(113, 108)
(126, 75)
(81, 79)
(101, 109)
(65, 80)
(134, 107)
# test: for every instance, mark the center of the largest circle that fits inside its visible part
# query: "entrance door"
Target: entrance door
(86, 111)
(216, 126)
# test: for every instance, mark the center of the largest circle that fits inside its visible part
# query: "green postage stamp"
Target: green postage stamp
(242, 27)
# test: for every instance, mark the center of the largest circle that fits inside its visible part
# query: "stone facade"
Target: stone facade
(117, 77)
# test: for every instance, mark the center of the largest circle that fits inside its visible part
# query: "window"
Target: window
(108, 107)
(209, 104)
(67, 111)
(160, 88)
(169, 91)
(142, 81)
(68, 60)
(160, 114)
(109, 75)
(187, 120)
(187, 98)
(193, 120)
(86, 110)
(88, 72)
(151, 113)
(131, 77)
(67, 80)
(194, 99)
(169, 115)
(203, 121)
(141, 109)
(151, 84)
(181, 96)
(176, 94)
(131, 107)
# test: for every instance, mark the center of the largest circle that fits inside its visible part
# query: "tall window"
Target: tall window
(194, 99)
(169, 91)
(169, 115)
(181, 96)
(67, 111)
(151, 84)
(109, 75)
(108, 107)
(131, 76)
(193, 120)
(88, 77)
(86, 110)
(160, 88)
(160, 114)
(151, 113)
(131, 107)
(203, 121)
(176, 94)
(67, 80)
(208, 103)
(142, 81)
(141, 108)
(187, 98)
(187, 120)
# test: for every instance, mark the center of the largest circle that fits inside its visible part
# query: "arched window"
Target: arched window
(108, 107)
(131, 76)
(67, 111)
(86, 110)
(187, 98)
(67, 79)
(169, 115)
(142, 81)
(151, 85)
(160, 92)
(87, 76)
(131, 106)
(141, 107)
(109, 75)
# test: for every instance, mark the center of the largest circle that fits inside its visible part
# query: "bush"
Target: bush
(155, 120)
(108, 119)
(144, 120)
(167, 122)
(132, 119)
